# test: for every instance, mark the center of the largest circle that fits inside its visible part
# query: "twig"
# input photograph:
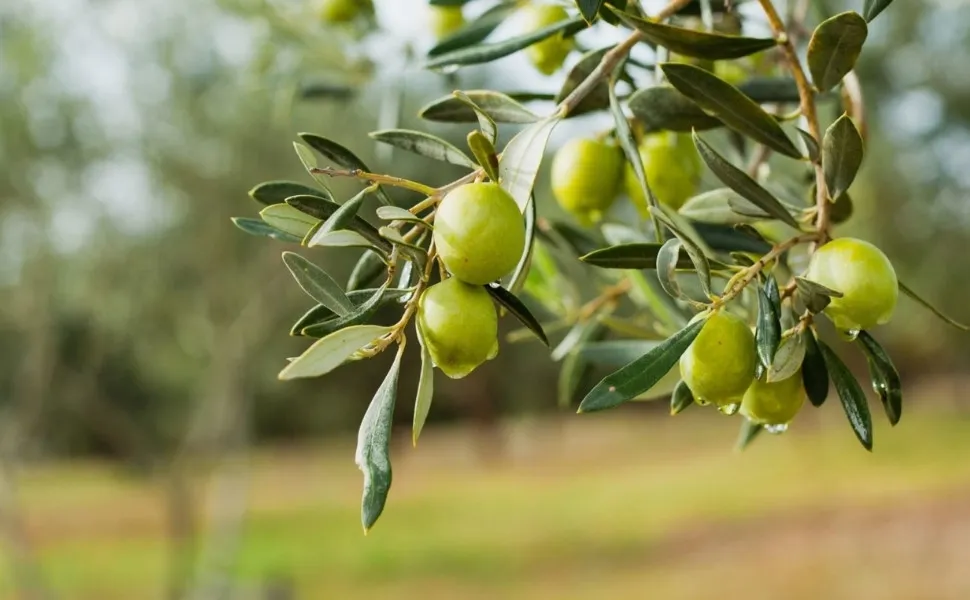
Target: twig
(745, 277)
(376, 178)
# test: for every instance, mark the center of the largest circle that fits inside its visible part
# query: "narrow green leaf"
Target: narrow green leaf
(742, 183)
(815, 296)
(342, 156)
(694, 250)
(361, 314)
(424, 144)
(309, 161)
(497, 106)
(835, 47)
(765, 90)
(815, 375)
(320, 313)
(663, 108)
(872, 8)
(842, 209)
(909, 292)
(589, 8)
(369, 267)
(522, 158)
(842, 150)
(717, 207)
(483, 53)
(517, 310)
(422, 400)
(486, 124)
(373, 455)
(344, 238)
(484, 152)
(788, 358)
(767, 333)
(667, 266)
(641, 374)
(322, 209)
(730, 105)
(851, 394)
(328, 353)
(599, 98)
(276, 192)
(811, 144)
(681, 398)
(694, 43)
(342, 218)
(885, 378)
(749, 431)
(318, 284)
(260, 228)
(396, 213)
(475, 30)
(631, 256)
(288, 219)
(616, 353)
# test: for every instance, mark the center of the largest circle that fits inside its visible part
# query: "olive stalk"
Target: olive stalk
(375, 178)
(745, 277)
(808, 109)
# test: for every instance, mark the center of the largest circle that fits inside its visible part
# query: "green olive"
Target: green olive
(720, 363)
(344, 11)
(548, 55)
(864, 276)
(586, 176)
(673, 170)
(458, 325)
(479, 232)
(446, 20)
(774, 403)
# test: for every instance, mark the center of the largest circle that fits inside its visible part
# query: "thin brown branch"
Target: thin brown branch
(375, 178)
(738, 284)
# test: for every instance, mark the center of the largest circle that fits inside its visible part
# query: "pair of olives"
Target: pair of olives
(719, 366)
(588, 174)
(479, 234)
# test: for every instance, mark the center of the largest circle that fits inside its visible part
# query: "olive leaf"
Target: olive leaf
(340, 219)
(498, 107)
(342, 156)
(642, 374)
(516, 280)
(718, 206)
(885, 377)
(788, 358)
(589, 8)
(694, 43)
(261, 228)
(318, 284)
(768, 330)
(285, 218)
(681, 398)
(815, 296)
(749, 431)
(842, 150)
(310, 163)
(373, 455)
(730, 105)
(691, 244)
(423, 144)
(811, 144)
(360, 315)
(522, 157)
(475, 30)
(662, 107)
(422, 400)
(815, 375)
(912, 294)
(396, 213)
(323, 209)
(631, 256)
(276, 192)
(326, 354)
(320, 313)
(872, 8)
(667, 265)
(484, 152)
(483, 53)
(835, 47)
(742, 183)
(517, 310)
(851, 394)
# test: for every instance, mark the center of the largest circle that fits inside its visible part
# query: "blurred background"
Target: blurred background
(147, 449)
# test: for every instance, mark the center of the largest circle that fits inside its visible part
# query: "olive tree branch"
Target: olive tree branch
(745, 277)
(375, 178)
(808, 109)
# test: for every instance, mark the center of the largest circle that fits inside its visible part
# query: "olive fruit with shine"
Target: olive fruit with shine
(344, 11)
(673, 170)
(459, 326)
(864, 276)
(548, 55)
(479, 232)
(446, 20)
(774, 403)
(586, 177)
(719, 365)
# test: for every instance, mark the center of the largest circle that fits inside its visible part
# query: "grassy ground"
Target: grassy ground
(620, 506)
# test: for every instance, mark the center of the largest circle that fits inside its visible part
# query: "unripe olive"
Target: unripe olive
(719, 365)
(864, 276)
(343, 11)
(459, 326)
(673, 170)
(446, 20)
(586, 176)
(549, 54)
(774, 403)
(479, 232)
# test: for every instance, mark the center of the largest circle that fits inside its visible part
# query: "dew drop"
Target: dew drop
(849, 335)
(777, 429)
(729, 409)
